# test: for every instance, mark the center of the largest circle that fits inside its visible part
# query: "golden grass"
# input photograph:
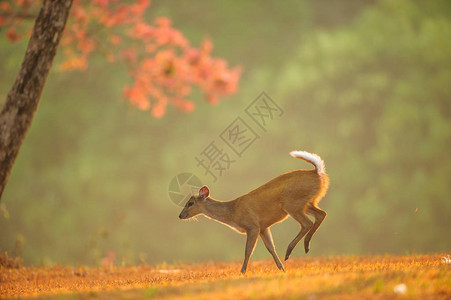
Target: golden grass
(425, 277)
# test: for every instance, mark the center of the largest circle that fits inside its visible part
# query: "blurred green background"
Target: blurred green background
(365, 84)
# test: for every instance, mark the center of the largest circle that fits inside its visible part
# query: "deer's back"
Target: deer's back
(266, 204)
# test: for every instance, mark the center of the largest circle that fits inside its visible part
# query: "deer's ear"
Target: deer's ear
(204, 192)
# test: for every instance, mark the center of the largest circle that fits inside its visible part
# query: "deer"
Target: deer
(296, 194)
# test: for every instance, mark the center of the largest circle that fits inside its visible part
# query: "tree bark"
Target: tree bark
(23, 99)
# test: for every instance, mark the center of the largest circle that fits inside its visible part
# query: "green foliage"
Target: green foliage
(377, 93)
(367, 90)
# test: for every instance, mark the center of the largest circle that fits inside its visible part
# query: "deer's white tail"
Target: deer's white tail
(312, 158)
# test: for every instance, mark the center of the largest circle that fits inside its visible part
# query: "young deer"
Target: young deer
(295, 193)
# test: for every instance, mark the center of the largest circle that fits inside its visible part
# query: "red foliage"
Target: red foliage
(163, 65)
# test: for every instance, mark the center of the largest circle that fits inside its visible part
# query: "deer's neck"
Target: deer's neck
(219, 211)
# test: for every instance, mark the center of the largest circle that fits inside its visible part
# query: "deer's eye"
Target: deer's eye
(190, 204)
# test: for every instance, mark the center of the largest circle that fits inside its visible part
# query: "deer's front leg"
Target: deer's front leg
(267, 239)
(252, 236)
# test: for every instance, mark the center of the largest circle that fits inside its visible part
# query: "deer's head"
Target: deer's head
(195, 204)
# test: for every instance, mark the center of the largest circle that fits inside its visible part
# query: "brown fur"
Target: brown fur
(295, 193)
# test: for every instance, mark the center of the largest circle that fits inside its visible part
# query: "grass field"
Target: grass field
(362, 277)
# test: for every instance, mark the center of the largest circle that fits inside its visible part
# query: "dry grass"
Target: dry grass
(425, 277)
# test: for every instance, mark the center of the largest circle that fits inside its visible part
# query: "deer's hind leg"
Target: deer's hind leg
(319, 216)
(306, 224)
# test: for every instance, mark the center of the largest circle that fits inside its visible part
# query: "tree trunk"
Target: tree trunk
(23, 99)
